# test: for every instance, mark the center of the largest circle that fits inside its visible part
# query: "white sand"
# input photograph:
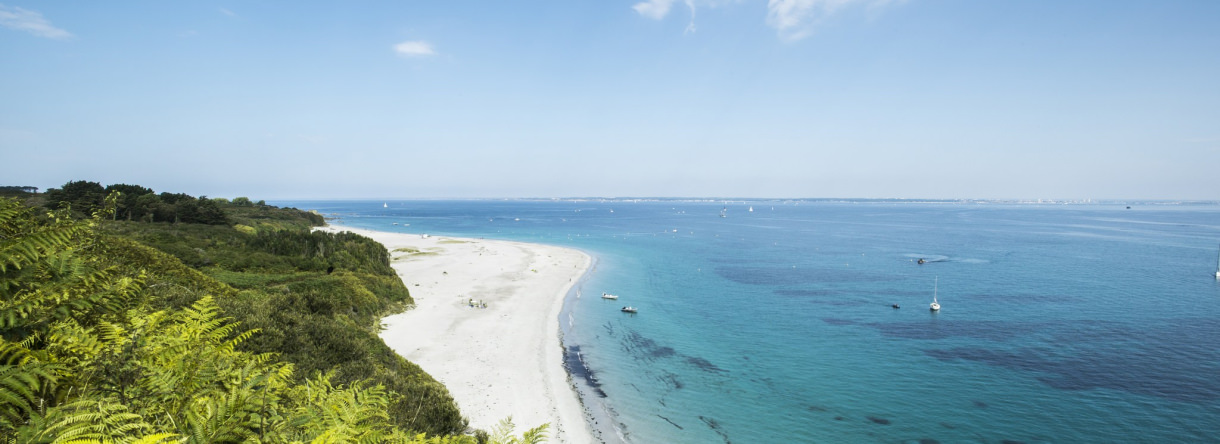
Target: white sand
(500, 361)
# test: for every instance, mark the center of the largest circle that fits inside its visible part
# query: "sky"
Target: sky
(666, 98)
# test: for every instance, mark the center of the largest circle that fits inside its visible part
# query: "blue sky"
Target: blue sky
(749, 98)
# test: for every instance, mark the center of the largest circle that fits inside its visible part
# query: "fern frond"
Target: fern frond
(159, 438)
(93, 420)
(229, 417)
(16, 353)
(19, 388)
(535, 435)
(24, 245)
(503, 431)
(231, 344)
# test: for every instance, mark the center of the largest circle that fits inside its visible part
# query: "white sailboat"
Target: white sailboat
(934, 306)
(1218, 265)
(385, 205)
(751, 209)
(725, 210)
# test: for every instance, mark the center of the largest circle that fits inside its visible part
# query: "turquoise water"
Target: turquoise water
(1083, 323)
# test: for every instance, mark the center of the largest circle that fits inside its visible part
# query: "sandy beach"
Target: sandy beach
(499, 361)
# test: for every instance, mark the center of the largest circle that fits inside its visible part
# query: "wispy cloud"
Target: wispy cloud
(792, 19)
(228, 12)
(690, 27)
(653, 9)
(795, 19)
(414, 48)
(30, 21)
(658, 9)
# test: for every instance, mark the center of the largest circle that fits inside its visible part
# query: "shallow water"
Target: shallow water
(1085, 323)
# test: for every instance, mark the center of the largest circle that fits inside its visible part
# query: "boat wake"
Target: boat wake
(926, 258)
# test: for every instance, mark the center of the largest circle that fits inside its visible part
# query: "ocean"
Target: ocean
(1060, 323)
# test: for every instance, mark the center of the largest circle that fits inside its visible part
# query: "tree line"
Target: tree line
(7, 190)
(138, 203)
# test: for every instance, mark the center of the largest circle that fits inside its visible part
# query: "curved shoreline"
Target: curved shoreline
(583, 378)
(503, 360)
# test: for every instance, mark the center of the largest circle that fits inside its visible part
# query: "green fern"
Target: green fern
(24, 242)
(327, 413)
(502, 433)
(98, 420)
(20, 386)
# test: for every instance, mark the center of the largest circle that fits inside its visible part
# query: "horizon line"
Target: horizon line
(780, 199)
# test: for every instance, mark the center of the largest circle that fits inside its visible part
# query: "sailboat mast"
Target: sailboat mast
(935, 281)
(1218, 265)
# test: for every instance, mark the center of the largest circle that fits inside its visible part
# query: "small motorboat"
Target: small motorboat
(920, 261)
(630, 309)
(894, 305)
(609, 296)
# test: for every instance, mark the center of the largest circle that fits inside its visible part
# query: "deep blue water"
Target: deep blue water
(1081, 323)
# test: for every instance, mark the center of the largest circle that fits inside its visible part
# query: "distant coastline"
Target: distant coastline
(799, 200)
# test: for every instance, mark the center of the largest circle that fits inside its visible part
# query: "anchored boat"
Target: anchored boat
(934, 306)
(1217, 265)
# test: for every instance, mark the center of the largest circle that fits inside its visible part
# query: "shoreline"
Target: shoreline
(503, 360)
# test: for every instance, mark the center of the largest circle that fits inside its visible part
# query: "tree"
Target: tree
(146, 208)
(83, 196)
(129, 199)
(173, 198)
(210, 213)
(186, 211)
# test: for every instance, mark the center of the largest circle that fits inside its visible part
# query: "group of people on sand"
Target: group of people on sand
(476, 304)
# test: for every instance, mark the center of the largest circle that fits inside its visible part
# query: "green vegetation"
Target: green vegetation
(412, 252)
(122, 331)
(136, 203)
(17, 190)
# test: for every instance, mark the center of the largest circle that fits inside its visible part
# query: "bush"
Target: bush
(316, 298)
